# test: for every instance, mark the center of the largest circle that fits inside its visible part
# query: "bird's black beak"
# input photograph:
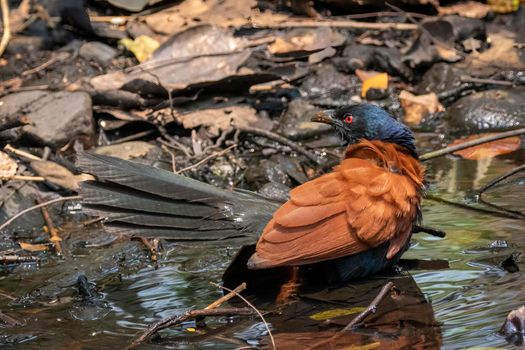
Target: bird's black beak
(326, 117)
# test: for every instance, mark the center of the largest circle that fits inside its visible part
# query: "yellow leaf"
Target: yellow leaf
(325, 315)
(374, 81)
(142, 47)
(364, 347)
(33, 247)
(191, 329)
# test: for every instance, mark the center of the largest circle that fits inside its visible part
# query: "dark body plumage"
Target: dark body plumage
(144, 201)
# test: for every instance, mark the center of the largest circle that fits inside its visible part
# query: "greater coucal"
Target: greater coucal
(360, 216)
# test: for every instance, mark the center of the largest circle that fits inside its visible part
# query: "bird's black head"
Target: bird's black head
(366, 121)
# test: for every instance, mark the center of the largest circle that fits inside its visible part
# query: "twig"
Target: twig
(210, 310)
(136, 136)
(467, 79)
(54, 237)
(23, 178)
(497, 180)
(273, 136)
(254, 309)
(10, 123)
(430, 230)
(18, 259)
(20, 153)
(371, 309)
(6, 35)
(10, 320)
(486, 139)
(173, 321)
(341, 24)
(55, 58)
(153, 247)
(213, 155)
(501, 213)
(226, 297)
(61, 199)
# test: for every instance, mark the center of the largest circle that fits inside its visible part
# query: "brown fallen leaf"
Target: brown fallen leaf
(417, 107)
(306, 39)
(372, 80)
(502, 54)
(471, 9)
(220, 118)
(30, 247)
(489, 149)
(8, 166)
(126, 150)
(59, 175)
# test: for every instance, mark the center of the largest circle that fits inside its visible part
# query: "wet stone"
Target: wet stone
(440, 78)
(275, 190)
(296, 124)
(54, 117)
(329, 87)
(97, 51)
(489, 110)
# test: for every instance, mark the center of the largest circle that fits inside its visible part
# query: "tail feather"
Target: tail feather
(140, 200)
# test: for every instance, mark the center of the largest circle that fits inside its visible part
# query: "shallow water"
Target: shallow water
(469, 300)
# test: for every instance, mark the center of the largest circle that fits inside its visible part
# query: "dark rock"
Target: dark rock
(440, 78)
(514, 327)
(487, 111)
(99, 52)
(385, 59)
(296, 124)
(329, 87)
(55, 117)
(266, 171)
(275, 190)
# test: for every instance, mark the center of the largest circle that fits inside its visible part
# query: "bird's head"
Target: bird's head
(367, 121)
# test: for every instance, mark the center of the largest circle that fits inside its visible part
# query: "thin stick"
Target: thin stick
(214, 155)
(254, 309)
(482, 140)
(226, 297)
(174, 320)
(132, 137)
(18, 259)
(6, 35)
(10, 320)
(371, 309)
(467, 79)
(23, 178)
(61, 199)
(341, 24)
(429, 230)
(54, 237)
(500, 178)
(20, 153)
(273, 136)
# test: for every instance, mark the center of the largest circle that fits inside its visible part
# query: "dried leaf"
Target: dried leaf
(502, 54)
(126, 150)
(504, 6)
(301, 40)
(471, 9)
(33, 247)
(363, 347)
(219, 118)
(489, 149)
(200, 54)
(325, 315)
(372, 80)
(418, 107)
(59, 175)
(142, 47)
(8, 166)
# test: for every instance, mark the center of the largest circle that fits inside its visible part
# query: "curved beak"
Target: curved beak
(326, 117)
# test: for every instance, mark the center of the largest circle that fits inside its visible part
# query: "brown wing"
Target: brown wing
(370, 198)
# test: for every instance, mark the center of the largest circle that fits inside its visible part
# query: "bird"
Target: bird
(358, 218)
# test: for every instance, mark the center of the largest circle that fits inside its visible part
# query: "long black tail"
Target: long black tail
(145, 201)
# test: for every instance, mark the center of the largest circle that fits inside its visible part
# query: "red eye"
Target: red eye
(349, 119)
